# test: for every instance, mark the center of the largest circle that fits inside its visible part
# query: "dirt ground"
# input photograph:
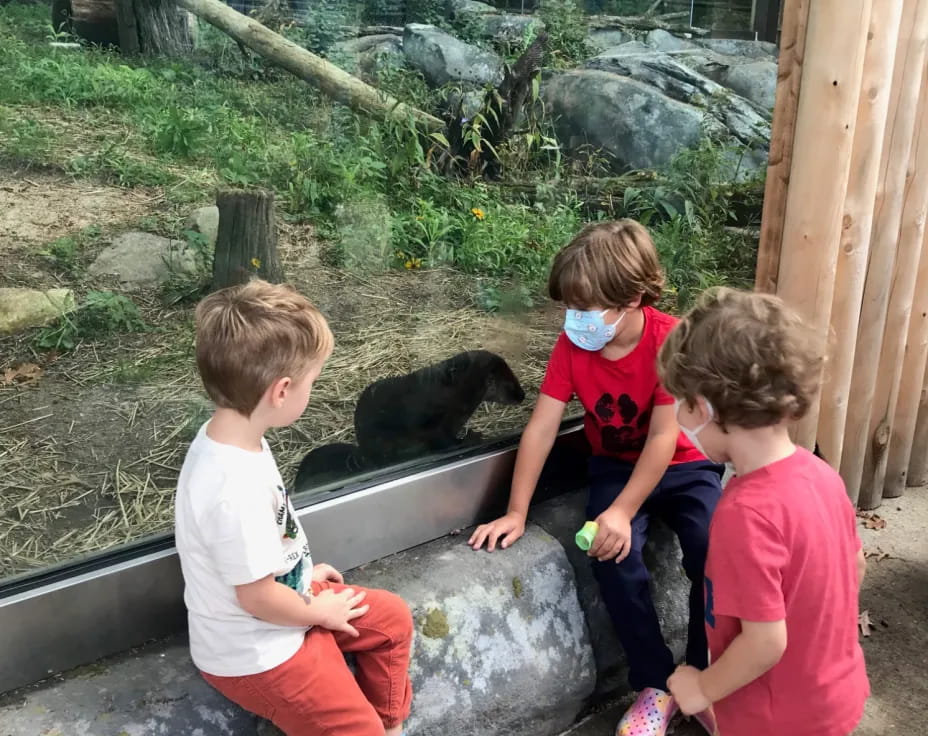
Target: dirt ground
(895, 596)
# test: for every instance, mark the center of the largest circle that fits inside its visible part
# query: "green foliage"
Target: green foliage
(690, 212)
(101, 313)
(567, 31)
(66, 253)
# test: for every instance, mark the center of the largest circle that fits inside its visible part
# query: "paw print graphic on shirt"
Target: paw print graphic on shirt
(629, 436)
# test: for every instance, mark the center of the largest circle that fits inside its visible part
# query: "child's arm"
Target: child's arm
(758, 647)
(279, 604)
(614, 537)
(537, 440)
(861, 567)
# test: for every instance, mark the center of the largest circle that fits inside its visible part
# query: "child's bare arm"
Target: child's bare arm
(279, 604)
(614, 537)
(537, 439)
(861, 567)
(758, 647)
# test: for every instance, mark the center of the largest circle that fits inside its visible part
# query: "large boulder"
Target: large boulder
(21, 309)
(205, 220)
(641, 107)
(139, 260)
(661, 40)
(369, 55)
(755, 81)
(442, 58)
(740, 47)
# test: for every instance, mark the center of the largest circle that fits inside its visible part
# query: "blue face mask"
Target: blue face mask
(588, 330)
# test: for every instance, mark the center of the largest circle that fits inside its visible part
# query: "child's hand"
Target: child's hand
(334, 610)
(687, 691)
(614, 539)
(506, 529)
(326, 573)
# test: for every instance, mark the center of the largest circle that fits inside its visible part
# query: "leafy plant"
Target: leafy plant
(100, 313)
(567, 30)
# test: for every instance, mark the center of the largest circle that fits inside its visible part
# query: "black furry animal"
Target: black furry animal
(326, 464)
(423, 412)
(417, 414)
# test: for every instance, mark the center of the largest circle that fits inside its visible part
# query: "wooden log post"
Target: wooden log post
(893, 353)
(780, 159)
(153, 27)
(247, 242)
(896, 151)
(857, 224)
(832, 70)
(911, 387)
(918, 464)
(325, 76)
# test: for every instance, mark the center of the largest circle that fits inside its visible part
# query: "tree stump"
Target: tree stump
(154, 27)
(247, 241)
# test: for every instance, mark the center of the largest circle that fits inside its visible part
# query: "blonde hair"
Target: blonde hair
(748, 354)
(249, 336)
(607, 265)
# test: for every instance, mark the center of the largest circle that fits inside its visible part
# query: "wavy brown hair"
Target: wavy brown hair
(251, 335)
(748, 354)
(607, 265)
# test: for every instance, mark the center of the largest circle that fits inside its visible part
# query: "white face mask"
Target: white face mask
(693, 434)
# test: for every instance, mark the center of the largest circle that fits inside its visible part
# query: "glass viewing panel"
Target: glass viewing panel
(427, 251)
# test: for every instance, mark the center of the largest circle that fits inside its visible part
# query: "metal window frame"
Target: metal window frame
(76, 613)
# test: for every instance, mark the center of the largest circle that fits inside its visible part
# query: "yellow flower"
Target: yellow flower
(413, 263)
(478, 213)
(255, 263)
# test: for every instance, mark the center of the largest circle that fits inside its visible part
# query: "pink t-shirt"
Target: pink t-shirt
(783, 545)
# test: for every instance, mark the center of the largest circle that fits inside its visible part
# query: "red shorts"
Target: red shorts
(314, 693)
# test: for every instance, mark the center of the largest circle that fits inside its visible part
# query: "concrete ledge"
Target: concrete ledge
(506, 642)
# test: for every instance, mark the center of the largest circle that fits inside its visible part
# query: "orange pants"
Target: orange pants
(314, 692)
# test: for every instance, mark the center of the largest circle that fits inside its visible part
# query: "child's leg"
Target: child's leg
(625, 587)
(688, 495)
(382, 653)
(313, 693)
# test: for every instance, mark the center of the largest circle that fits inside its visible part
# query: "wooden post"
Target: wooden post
(896, 150)
(332, 81)
(836, 41)
(858, 222)
(918, 464)
(911, 386)
(780, 159)
(893, 353)
(247, 242)
(155, 27)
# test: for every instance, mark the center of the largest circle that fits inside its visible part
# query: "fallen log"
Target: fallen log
(325, 76)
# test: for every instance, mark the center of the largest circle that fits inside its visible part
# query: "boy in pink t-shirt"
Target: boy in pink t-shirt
(784, 564)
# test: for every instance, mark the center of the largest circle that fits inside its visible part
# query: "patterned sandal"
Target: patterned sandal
(650, 715)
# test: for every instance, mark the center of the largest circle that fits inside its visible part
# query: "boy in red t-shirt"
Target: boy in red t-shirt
(785, 562)
(608, 278)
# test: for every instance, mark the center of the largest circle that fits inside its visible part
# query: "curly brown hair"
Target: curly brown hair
(249, 336)
(748, 354)
(607, 265)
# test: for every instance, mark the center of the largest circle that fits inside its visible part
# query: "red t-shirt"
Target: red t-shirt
(618, 395)
(782, 545)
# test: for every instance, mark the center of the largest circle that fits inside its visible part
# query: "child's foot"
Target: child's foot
(706, 719)
(650, 714)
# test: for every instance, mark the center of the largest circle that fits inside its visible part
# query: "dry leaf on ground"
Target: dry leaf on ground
(864, 622)
(877, 554)
(871, 520)
(22, 373)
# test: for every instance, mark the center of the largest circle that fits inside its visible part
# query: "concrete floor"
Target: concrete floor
(895, 593)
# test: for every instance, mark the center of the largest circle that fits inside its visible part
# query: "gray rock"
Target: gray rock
(562, 517)
(740, 47)
(755, 81)
(602, 39)
(21, 309)
(501, 641)
(141, 259)
(634, 123)
(370, 54)
(506, 29)
(205, 221)
(661, 40)
(442, 58)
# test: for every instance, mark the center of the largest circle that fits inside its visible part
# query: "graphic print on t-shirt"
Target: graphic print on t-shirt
(626, 430)
(290, 531)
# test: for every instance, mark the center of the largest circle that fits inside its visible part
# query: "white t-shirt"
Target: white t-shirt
(234, 524)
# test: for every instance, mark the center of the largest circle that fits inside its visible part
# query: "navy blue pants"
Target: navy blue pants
(684, 499)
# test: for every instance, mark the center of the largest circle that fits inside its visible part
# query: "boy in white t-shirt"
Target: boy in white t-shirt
(268, 629)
